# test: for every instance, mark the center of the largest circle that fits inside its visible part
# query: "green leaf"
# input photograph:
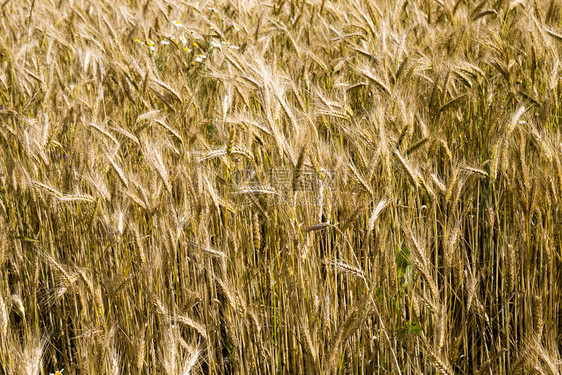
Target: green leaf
(404, 268)
(409, 329)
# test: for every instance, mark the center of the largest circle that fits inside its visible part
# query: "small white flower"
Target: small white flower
(227, 44)
(200, 58)
(177, 24)
(57, 372)
(152, 48)
(215, 44)
(236, 27)
(164, 42)
(183, 40)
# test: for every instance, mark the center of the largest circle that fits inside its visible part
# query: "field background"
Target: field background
(298, 186)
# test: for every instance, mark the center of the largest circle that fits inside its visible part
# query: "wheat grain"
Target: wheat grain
(376, 212)
(124, 239)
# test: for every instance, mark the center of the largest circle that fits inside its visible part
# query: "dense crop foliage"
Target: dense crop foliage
(284, 187)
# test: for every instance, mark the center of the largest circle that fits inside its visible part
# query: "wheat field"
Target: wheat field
(280, 187)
